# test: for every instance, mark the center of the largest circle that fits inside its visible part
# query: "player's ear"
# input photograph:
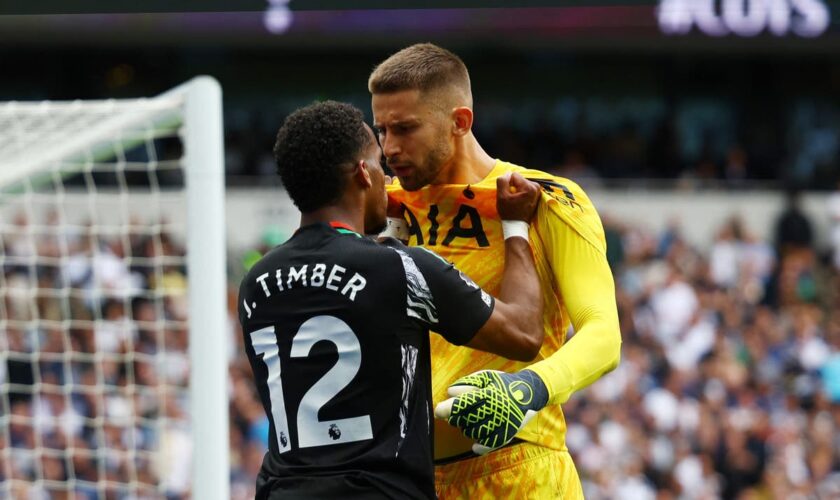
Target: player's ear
(362, 174)
(462, 120)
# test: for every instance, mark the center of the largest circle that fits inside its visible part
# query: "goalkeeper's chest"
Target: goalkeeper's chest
(455, 225)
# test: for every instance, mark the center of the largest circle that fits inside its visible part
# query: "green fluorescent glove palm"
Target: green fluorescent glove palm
(490, 406)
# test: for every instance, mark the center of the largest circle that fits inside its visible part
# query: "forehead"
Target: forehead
(399, 106)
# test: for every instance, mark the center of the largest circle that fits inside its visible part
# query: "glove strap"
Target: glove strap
(539, 397)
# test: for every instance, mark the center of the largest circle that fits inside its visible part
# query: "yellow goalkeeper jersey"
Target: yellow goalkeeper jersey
(460, 223)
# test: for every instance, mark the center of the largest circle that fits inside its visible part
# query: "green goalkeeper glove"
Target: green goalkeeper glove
(490, 406)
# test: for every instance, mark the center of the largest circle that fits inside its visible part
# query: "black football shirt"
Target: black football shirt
(336, 327)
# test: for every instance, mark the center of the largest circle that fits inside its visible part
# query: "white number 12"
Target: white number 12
(312, 431)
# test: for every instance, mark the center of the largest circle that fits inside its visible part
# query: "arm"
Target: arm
(514, 329)
(589, 296)
(588, 292)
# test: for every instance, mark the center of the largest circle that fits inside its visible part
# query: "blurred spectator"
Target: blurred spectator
(725, 257)
(674, 305)
(793, 227)
(670, 237)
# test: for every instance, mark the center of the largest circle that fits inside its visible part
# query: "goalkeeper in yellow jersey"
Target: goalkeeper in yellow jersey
(422, 109)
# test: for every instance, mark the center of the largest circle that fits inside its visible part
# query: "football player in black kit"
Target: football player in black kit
(336, 325)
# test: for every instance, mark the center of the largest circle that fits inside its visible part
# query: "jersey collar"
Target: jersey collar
(343, 228)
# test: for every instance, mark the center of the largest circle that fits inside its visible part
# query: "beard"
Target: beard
(425, 174)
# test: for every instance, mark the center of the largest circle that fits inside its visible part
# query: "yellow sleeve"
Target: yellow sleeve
(588, 292)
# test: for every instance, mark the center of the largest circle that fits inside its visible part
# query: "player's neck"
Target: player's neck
(470, 164)
(354, 219)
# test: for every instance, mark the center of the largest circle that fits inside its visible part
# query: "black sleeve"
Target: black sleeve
(459, 307)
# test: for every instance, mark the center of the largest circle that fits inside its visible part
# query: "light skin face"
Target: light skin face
(418, 136)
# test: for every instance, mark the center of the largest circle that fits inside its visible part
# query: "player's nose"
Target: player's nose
(390, 147)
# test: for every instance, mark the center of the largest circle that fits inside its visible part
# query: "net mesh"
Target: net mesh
(93, 352)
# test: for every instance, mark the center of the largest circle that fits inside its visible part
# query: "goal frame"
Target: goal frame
(200, 125)
(207, 287)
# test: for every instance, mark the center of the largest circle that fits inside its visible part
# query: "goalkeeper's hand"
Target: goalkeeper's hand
(490, 406)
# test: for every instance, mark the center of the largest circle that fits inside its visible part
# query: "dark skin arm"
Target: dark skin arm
(514, 329)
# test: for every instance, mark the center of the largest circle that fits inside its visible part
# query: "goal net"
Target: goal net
(113, 322)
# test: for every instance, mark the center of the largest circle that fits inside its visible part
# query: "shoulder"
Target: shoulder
(414, 255)
(563, 191)
(503, 167)
(564, 202)
(428, 258)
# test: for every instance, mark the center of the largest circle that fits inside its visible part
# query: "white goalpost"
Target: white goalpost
(113, 298)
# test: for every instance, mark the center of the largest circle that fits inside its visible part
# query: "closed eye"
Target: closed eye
(404, 128)
(397, 129)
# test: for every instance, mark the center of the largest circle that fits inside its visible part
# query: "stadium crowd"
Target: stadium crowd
(729, 385)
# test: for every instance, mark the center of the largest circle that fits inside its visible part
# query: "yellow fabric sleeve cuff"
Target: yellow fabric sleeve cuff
(557, 378)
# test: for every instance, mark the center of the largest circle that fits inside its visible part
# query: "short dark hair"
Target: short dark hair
(313, 145)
